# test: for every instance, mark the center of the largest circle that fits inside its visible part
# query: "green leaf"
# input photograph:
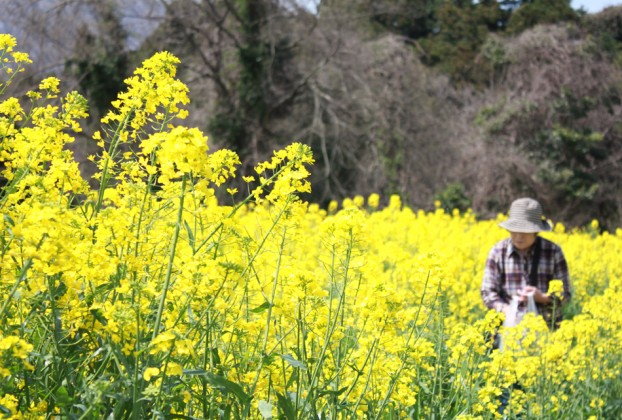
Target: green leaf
(190, 234)
(194, 372)
(268, 359)
(226, 385)
(265, 408)
(99, 316)
(214, 362)
(62, 397)
(261, 308)
(335, 392)
(286, 406)
(295, 363)
(215, 359)
(4, 410)
(10, 221)
(220, 383)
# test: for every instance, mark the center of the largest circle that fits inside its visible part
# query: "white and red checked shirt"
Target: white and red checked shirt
(507, 271)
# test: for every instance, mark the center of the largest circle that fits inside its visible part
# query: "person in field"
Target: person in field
(524, 264)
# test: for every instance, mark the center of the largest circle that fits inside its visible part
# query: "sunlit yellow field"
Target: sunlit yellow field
(149, 298)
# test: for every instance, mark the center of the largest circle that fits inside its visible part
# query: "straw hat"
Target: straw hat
(525, 217)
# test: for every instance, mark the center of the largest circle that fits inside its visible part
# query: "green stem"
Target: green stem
(21, 278)
(238, 206)
(111, 154)
(372, 356)
(330, 330)
(395, 377)
(169, 268)
(268, 319)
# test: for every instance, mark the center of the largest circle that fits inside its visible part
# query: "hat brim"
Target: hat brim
(522, 226)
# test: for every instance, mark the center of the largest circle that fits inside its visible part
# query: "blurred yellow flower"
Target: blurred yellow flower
(556, 288)
(150, 372)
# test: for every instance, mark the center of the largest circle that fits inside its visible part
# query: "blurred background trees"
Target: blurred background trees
(469, 103)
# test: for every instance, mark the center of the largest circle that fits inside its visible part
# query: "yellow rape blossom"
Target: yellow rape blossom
(16, 346)
(150, 372)
(556, 288)
(51, 85)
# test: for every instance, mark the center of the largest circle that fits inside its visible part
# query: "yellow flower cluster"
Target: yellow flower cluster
(556, 288)
(11, 61)
(135, 300)
(153, 95)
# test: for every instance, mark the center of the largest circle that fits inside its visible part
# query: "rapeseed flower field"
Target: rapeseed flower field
(150, 298)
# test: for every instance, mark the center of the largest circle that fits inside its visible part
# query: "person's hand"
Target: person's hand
(538, 296)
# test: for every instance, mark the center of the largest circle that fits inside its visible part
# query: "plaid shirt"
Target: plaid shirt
(506, 272)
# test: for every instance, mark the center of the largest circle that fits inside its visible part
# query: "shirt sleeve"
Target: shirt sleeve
(561, 273)
(491, 283)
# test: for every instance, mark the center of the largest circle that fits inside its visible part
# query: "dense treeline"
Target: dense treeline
(470, 103)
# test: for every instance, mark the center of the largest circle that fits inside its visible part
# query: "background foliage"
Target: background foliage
(504, 98)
